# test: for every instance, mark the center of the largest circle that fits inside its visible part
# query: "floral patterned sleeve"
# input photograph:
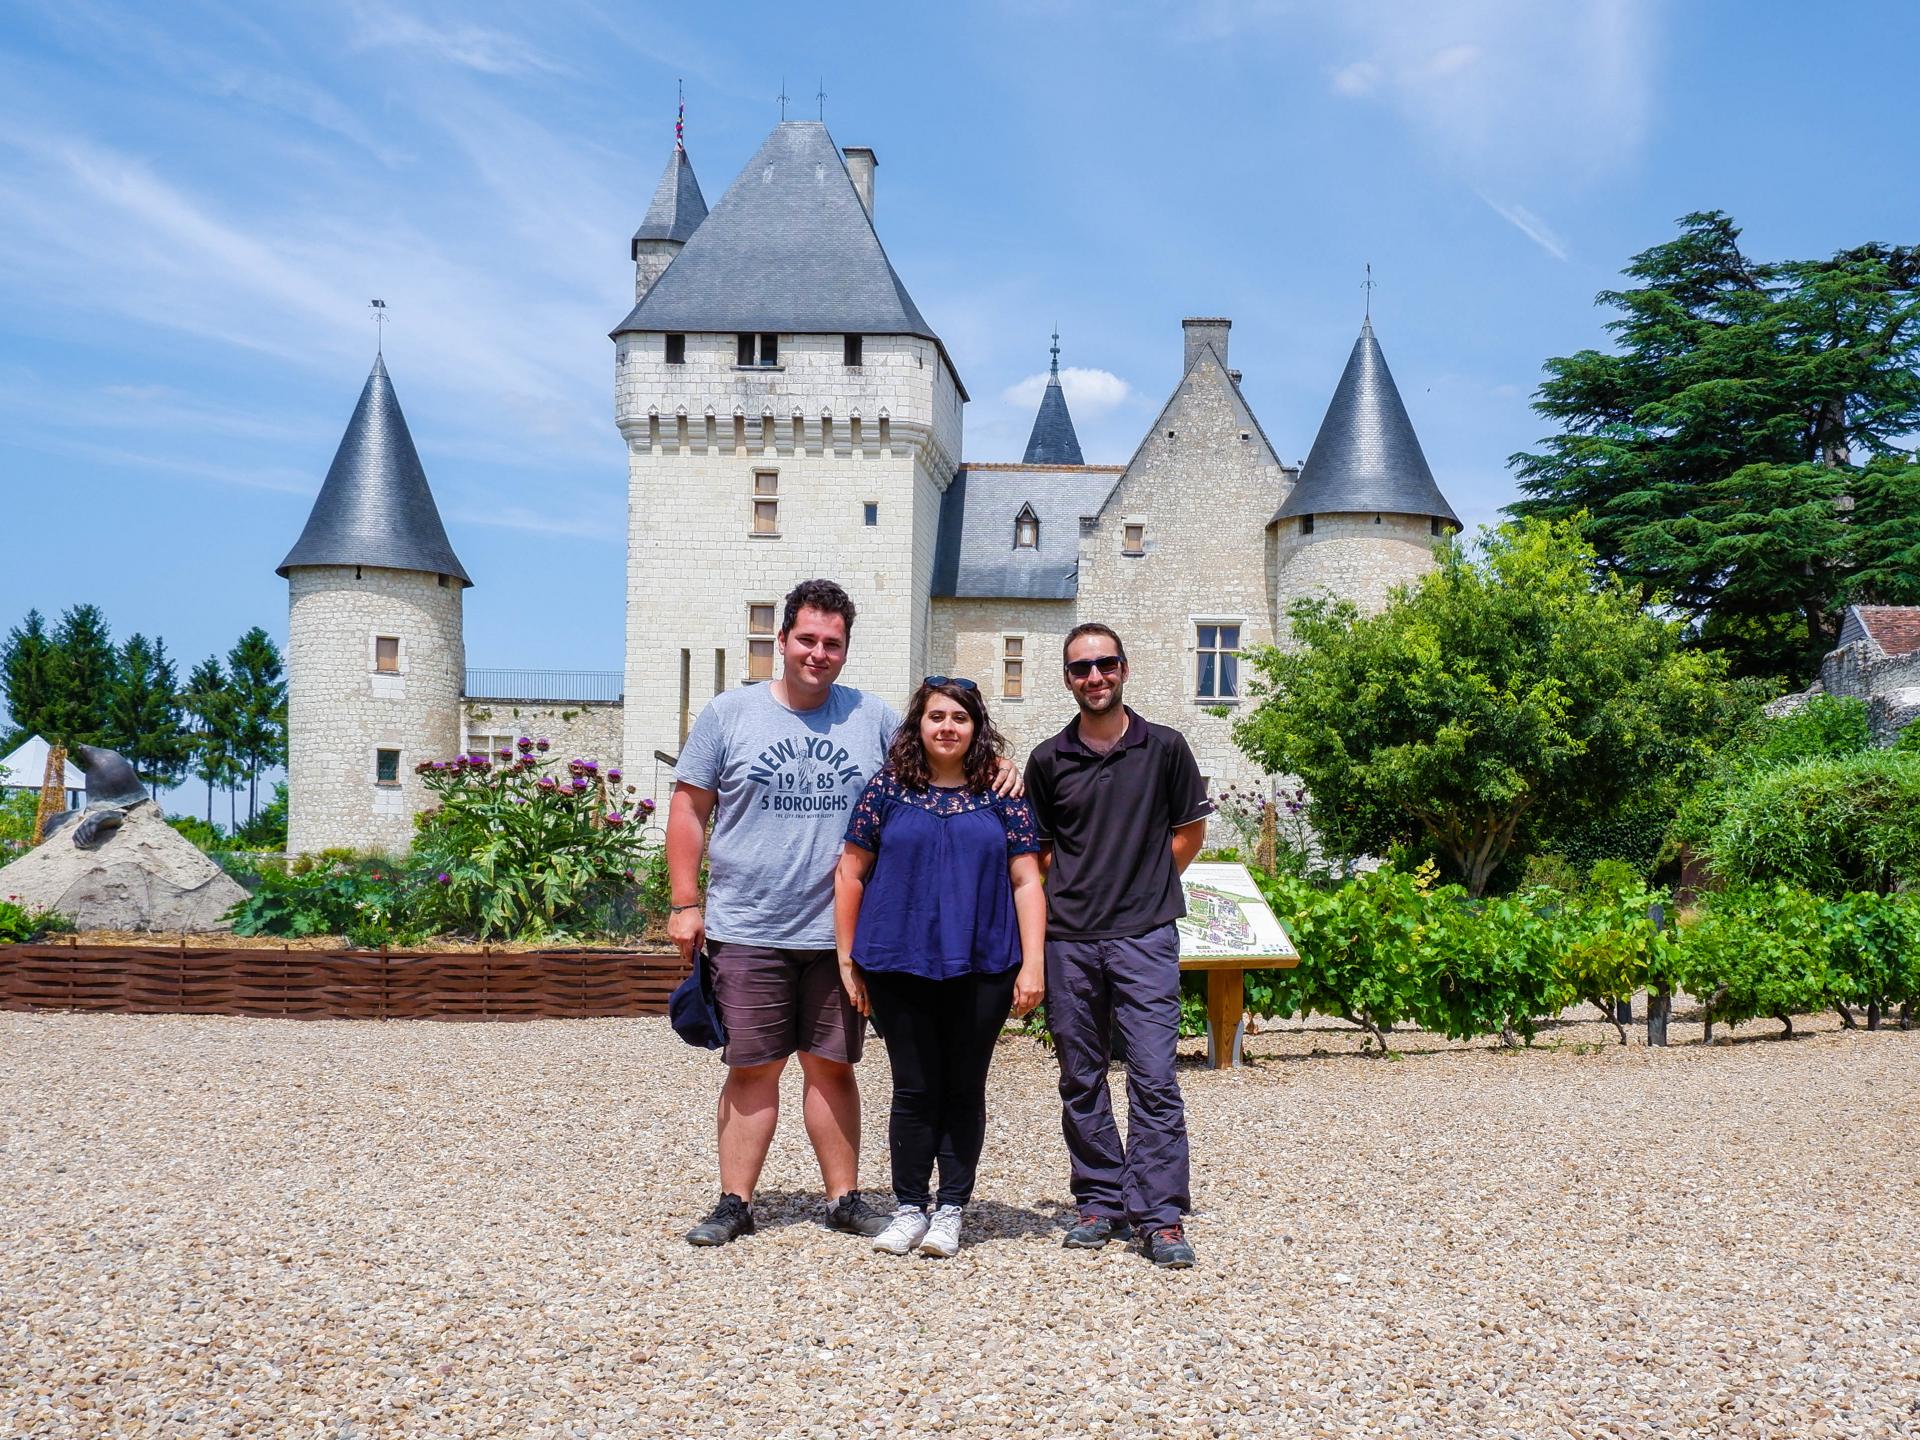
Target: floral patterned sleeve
(864, 828)
(1023, 834)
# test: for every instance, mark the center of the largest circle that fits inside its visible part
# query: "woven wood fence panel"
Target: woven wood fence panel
(337, 985)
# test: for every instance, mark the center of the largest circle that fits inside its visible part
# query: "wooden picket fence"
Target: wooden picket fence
(337, 984)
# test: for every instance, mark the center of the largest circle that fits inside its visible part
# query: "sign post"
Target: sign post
(1228, 930)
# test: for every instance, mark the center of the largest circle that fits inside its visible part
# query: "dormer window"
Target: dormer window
(850, 351)
(757, 351)
(1026, 529)
(676, 349)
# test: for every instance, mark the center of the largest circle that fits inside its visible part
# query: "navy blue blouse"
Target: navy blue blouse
(939, 901)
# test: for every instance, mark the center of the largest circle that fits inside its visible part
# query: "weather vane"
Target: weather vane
(1367, 285)
(680, 119)
(379, 308)
(821, 96)
(783, 97)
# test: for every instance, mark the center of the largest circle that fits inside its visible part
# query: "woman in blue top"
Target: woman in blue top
(941, 923)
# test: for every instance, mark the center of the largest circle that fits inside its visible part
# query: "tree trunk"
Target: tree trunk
(1906, 1015)
(1659, 1007)
(1846, 1016)
(1786, 1020)
(53, 791)
(1873, 1015)
(1366, 1024)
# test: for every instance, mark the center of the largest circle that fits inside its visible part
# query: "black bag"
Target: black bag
(691, 1010)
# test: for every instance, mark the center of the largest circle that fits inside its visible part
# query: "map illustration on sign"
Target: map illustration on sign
(1227, 917)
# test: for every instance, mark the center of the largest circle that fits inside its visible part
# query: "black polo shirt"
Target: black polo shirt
(1110, 819)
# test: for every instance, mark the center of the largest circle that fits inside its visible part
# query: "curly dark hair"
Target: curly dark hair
(822, 595)
(907, 756)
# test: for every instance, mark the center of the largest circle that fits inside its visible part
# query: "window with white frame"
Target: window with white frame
(757, 351)
(386, 654)
(1133, 538)
(1013, 667)
(766, 502)
(1026, 529)
(386, 767)
(1217, 661)
(760, 642)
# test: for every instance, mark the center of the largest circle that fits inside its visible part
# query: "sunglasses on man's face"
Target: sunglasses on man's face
(1105, 664)
(959, 682)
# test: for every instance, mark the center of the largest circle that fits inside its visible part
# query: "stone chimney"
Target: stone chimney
(860, 165)
(1205, 330)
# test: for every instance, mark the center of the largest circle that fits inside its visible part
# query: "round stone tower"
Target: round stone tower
(376, 655)
(1366, 513)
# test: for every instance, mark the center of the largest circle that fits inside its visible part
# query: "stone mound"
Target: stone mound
(143, 876)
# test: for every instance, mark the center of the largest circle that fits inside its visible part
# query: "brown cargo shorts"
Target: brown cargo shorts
(774, 1002)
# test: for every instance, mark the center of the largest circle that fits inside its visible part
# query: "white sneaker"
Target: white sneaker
(943, 1234)
(903, 1232)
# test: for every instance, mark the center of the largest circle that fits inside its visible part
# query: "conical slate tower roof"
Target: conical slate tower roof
(788, 249)
(1053, 441)
(374, 507)
(678, 206)
(1366, 456)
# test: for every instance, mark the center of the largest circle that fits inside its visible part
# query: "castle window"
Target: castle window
(759, 643)
(1435, 522)
(766, 502)
(445, 582)
(1026, 529)
(871, 512)
(1306, 524)
(757, 351)
(1013, 664)
(386, 767)
(676, 349)
(1376, 519)
(1133, 539)
(386, 654)
(1218, 670)
(850, 349)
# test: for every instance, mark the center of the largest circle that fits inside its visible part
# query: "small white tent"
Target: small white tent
(26, 768)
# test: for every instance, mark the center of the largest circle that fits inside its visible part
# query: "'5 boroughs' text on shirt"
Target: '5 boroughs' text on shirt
(786, 781)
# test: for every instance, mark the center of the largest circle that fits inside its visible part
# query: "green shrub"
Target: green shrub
(19, 925)
(210, 838)
(361, 899)
(1488, 967)
(1357, 947)
(1758, 952)
(1832, 825)
(1826, 727)
(1875, 951)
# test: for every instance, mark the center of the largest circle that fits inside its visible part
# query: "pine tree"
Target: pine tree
(27, 675)
(209, 701)
(84, 669)
(260, 709)
(1737, 455)
(144, 713)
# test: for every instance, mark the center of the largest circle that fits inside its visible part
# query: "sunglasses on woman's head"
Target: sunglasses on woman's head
(1106, 664)
(959, 682)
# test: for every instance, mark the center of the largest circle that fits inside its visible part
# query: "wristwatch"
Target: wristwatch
(691, 905)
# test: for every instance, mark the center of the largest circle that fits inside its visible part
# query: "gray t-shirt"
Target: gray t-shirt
(786, 781)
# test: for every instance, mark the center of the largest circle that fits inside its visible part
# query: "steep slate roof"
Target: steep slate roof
(789, 249)
(678, 206)
(374, 507)
(1053, 441)
(975, 555)
(1894, 628)
(1366, 456)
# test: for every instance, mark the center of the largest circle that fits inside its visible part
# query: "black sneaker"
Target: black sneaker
(1092, 1231)
(854, 1215)
(729, 1221)
(1167, 1247)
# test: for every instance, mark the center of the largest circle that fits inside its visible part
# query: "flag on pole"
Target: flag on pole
(680, 124)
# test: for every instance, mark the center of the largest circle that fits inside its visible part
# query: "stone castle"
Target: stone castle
(789, 412)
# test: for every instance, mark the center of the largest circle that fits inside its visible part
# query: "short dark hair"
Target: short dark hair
(822, 595)
(907, 755)
(1092, 627)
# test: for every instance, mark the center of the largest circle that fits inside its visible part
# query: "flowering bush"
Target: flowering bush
(514, 849)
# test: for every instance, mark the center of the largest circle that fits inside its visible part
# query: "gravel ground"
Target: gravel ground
(228, 1227)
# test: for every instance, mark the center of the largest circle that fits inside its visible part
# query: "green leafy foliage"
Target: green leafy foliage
(1503, 697)
(1832, 825)
(1759, 952)
(1826, 726)
(210, 838)
(20, 925)
(1708, 457)
(356, 897)
(1874, 951)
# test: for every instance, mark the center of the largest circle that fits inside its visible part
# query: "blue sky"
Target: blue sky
(199, 199)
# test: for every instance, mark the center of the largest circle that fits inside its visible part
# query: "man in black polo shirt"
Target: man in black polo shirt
(1122, 811)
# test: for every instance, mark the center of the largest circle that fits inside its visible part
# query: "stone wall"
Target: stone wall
(341, 711)
(969, 638)
(1890, 684)
(1351, 557)
(838, 438)
(591, 730)
(1204, 484)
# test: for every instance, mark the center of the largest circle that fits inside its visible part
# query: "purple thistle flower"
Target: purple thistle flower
(503, 753)
(547, 782)
(541, 744)
(616, 819)
(580, 783)
(576, 767)
(590, 767)
(613, 777)
(444, 878)
(647, 806)
(524, 743)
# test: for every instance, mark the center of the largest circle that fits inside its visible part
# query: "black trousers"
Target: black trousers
(939, 1036)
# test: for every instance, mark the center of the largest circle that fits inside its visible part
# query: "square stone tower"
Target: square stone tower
(788, 413)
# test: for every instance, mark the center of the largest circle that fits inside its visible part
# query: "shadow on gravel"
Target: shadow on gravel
(987, 1219)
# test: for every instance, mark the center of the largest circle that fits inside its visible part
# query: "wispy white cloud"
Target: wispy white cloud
(1089, 392)
(606, 527)
(1528, 224)
(473, 47)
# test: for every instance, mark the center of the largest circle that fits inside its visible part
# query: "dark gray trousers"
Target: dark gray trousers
(1133, 985)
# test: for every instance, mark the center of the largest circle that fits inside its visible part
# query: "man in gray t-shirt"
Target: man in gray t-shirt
(776, 768)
